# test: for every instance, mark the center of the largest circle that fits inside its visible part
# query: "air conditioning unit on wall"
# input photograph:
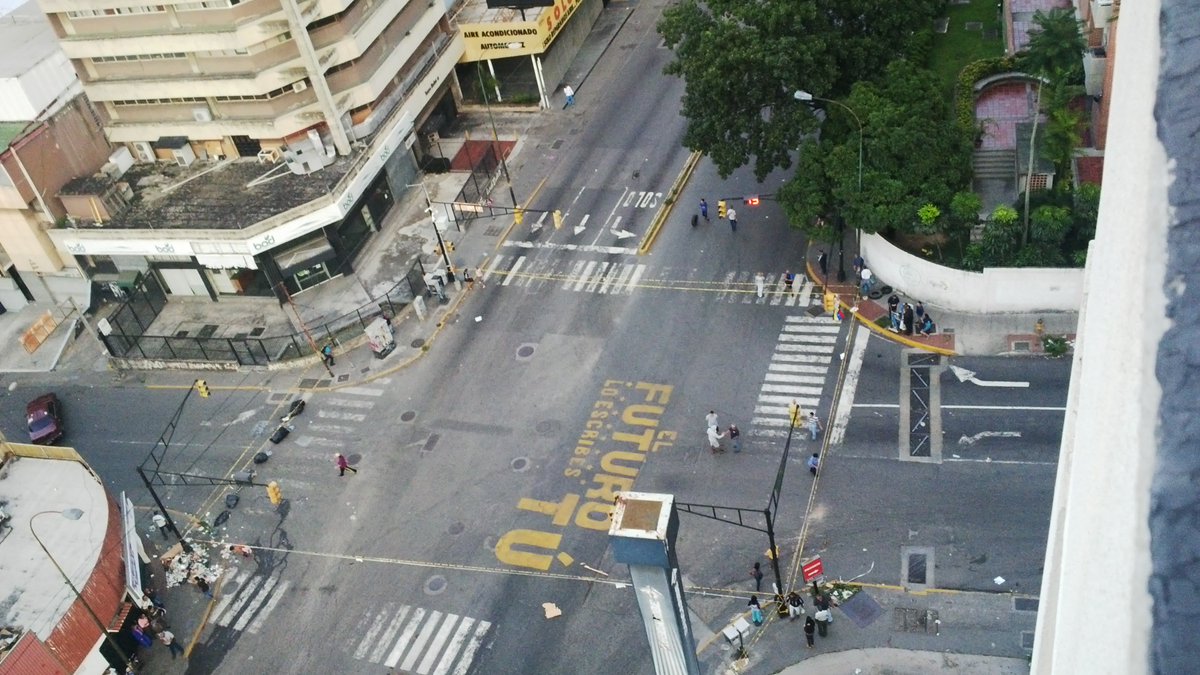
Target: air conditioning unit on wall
(300, 86)
(202, 114)
(144, 151)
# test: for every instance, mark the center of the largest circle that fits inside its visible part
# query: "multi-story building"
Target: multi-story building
(268, 136)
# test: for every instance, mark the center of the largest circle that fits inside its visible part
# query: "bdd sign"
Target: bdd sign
(813, 569)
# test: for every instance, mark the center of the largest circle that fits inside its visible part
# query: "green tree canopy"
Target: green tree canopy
(1055, 51)
(912, 156)
(741, 61)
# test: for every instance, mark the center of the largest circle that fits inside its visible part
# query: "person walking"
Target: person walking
(242, 550)
(813, 462)
(810, 627)
(202, 584)
(733, 219)
(570, 94)
(733, 437)
(756, 573)
(168, 639)
(868, 280)
(327, 353)
(813, 424)
(342, 464)
(711, 419)
(795, 605)
(756, 613)
(714, 439)
(704, 209)
(160, 521)
(760, 284)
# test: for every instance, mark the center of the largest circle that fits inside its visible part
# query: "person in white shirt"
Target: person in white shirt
(714, 439)
(711, 419)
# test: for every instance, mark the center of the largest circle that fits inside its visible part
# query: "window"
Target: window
(159, 101)
(206, 4)
(115, 11)
(138, 57)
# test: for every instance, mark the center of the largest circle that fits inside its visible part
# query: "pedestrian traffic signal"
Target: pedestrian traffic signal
(721, 209)
(202, 388)
(830, 301)
(519, 216)
(449, 247)
(557, 219)
(752, 200)
(274, 493)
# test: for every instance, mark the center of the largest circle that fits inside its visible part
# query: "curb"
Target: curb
(672, 196)
(853, 310)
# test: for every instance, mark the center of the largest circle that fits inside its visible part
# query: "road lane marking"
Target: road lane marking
(418, 645)
(809, 337)
(633, 281)
(950, 406)
(795, 379)
(456, 643)
(389, 635)
(512, 272)
(381, 620)
(837, 431)
(790, 368)
(402, 643)
(435, 647)
(362, 391)
(782, 356)
(265, 611)
(468, 655)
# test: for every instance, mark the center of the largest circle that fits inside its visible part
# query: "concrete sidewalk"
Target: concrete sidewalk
(958, 333)
(887, 661)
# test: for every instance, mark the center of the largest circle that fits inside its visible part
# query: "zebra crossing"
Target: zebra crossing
(618, 278)
(333, 419)
(410, 639)
(403, 638)
(799, 365)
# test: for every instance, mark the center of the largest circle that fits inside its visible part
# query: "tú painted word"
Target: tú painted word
(621, 431)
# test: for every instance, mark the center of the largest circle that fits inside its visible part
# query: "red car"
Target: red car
(45, 419)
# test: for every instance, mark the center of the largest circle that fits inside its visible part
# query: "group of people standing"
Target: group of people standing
(817, 624)
(907, 318)
(715, 434)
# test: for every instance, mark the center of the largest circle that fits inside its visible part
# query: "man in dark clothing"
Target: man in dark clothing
(757, 575)
(810, 627)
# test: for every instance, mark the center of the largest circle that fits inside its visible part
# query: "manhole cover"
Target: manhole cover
(524, 351)
(418, 343)
(435, 584)
(520, 464)
(457, 528)
(408, 416)
(548, 427)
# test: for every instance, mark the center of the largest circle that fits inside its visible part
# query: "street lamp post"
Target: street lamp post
(804, 96)
(75, 514)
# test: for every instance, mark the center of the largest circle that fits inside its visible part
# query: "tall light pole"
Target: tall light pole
(76, 514)
(804, 96)
(495, 137)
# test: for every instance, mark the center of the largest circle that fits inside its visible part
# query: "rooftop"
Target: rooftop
(219, 195)
(25, 38)
(9, 132)
(35, 596)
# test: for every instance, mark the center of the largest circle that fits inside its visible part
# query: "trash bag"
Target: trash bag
(280, 434)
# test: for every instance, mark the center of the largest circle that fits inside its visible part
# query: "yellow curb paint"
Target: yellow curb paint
(672, 198)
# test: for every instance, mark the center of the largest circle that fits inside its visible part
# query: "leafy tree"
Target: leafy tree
(1051, 224)
(912, 157)
(1055, 50)
(964, 209)
(742, 60)
(929, 215)
(1086, 209)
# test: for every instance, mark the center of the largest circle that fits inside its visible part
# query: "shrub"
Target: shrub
(964, 90)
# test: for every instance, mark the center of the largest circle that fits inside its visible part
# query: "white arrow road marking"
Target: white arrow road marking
(243, 416)
(965, 375)
(623, 234)
(582, 224)
(538, 225)
(971, 440)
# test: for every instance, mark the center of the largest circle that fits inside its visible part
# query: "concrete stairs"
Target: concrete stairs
(995, 164)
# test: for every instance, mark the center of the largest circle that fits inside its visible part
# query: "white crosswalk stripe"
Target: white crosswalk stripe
(247, 599)
(421, 641)
(797, 373)
(605, 277)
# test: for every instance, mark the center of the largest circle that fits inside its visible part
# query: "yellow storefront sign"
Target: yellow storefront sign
(516, 38)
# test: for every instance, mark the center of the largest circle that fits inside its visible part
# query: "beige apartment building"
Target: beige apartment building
(266, 139)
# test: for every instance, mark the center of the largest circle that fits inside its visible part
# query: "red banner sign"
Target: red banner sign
(813, 569)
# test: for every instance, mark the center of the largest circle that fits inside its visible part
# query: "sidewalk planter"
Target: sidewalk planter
(996, 290)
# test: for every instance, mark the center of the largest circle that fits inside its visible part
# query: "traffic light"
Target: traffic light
(519, 216)
(721, 209)
(557, 219)
(752, 200)
(449, 247)
(830, 301)
(202, 388)
(274, 493)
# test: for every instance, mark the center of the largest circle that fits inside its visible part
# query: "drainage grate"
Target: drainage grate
(208, 331)
(493, 231)
(308, 383)
(430, 442)
(343, 377)
(1026, 604)
(1027, 639)
(911, 620)
(258, 331)
(916, 568)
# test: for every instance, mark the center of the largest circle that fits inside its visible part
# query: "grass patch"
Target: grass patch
(959, 46)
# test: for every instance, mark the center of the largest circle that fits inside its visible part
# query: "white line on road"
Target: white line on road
(801, 358)
(331, 415)
(788, 389)
(390, 635)
(998, 461)
(510, 275)
(368, 639)
(831, 329)
(419, 644)
(785, 400)
(583, 276)
(252, 609)
(435, 647)
(633, 281)
(349, 403)
(468, 655)
(797, 379)
(362, 391)
(837, 432)
(790, 368)
(582, 223)
(455, 645)
(594, 282)
(265, 611)
(809, 337)
(402, 643)
(812, 349)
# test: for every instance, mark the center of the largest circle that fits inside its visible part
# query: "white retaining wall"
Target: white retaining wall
(995, 290)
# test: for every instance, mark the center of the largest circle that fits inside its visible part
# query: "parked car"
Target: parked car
(44, 415)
